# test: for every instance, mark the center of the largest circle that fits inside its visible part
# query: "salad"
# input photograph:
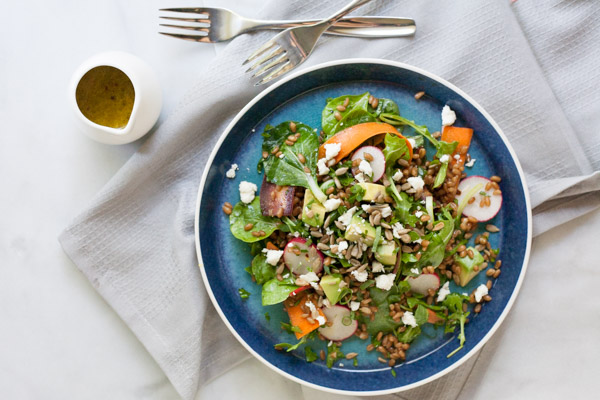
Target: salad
(367, 228)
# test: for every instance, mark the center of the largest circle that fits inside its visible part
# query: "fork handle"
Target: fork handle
(365, 27)
(354, 4)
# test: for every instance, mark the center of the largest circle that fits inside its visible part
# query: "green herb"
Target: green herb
(367, 284)
(409, 334)
(267, 316)
(357, 193)
(244, 294)
(436, 250)
(456, 316)
(334, 353)
(441, 176)
(275, 291)
(357, 111)
(355, 362)
(310, 354)
(377, 238)
(393, 372)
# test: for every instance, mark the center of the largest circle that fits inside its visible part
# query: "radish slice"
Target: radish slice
(342, 325)
(302, 259)
(377, 165)
(474, 209)
(300, 289)
(422, 283)
(275, 200)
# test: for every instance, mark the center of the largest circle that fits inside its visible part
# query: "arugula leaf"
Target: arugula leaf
(288, 170)
(310, 354)
(456, 316)
(261, 270)
(357, 112)
(244, 214)
(275, 291)
(409, 334)
(289, 328)
(290, 347)
(436, 250)
(382, 321)
(441, 175)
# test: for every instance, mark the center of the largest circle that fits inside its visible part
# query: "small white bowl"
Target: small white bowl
(146, 105)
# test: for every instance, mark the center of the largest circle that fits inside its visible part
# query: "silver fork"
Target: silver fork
(291, 47)
(220, 24)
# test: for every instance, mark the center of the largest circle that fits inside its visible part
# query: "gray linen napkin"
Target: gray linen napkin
(135, 242)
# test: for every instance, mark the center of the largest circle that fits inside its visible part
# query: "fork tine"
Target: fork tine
(192, 10)
(199, 20)
(259, 51)
(191, 28)
(276, 73)
(194, 38)
(265, 59)
(269, 66)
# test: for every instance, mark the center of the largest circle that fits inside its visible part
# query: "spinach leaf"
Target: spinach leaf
(421, 315)
(357, 112)
(395, 149)
(244, 214)
(382, 299)
(387, 106)
(456, 317)
(275, 136)
(275, 291)
(261, 270)
(288, 170)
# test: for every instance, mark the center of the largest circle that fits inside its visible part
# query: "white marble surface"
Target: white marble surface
(59, 339)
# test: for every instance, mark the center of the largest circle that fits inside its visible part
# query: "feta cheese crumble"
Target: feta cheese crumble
(481, 291)
(444, 159)
(416, 182)
(448, 116)
(409, 319)
(273, 256)
(323, 169)
(377, 266)
(365, 168)
(347, 216)
(247, 191)
(343, 245)
(360, 177)
(385, 281)
(397, 176)
(396, 228)
(418, 214)
(332, 204)
(354, 305)
(321, 320)
(471, 163)
(231, 172)
(360, 276)
(308, 277)
(412, 142)
(332, 150)
(386, 211)
(443, 292)
(415, 271)
(366, 207)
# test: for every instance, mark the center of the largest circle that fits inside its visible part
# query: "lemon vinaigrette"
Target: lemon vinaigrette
(105, 95)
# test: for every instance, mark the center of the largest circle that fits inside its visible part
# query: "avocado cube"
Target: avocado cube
(372, 191)
(386, 253)
(359, 228)
(318, 210)
(467, 272)
(331, 286)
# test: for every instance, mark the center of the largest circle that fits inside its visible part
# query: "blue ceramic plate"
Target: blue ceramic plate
(222, 258)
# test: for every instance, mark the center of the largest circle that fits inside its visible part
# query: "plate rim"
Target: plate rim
(440, 80)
